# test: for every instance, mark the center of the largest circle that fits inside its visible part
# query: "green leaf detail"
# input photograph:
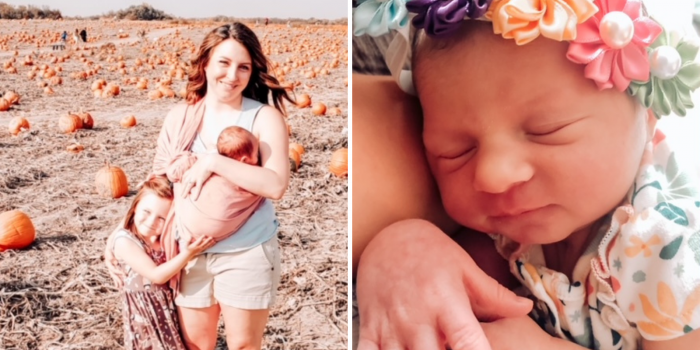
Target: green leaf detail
(672, 213)
(694, 244)
(670, 250)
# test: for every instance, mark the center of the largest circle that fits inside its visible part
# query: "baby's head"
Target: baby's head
(239, 144)
(519, 141)
(149, 209)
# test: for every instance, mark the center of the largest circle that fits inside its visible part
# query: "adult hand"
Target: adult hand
(194, 178)
(417, 289)
(111, 262)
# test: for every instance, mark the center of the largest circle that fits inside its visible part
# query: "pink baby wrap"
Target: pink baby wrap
(173, 159)
(219, 211)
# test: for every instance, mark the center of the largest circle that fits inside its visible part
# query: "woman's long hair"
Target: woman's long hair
(261, 82)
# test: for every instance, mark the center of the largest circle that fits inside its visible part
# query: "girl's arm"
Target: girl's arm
(130, 252)
(268, 181)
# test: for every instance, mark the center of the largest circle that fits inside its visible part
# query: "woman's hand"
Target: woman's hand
(194, 178)
(417, 290)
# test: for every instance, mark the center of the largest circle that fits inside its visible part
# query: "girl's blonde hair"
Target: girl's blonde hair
(158, 185)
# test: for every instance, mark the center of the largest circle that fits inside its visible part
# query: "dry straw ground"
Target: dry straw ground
(56, 294)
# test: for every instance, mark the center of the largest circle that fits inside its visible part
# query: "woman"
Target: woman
(237, 278)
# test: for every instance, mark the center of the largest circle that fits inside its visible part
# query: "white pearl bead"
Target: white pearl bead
(616, 29)
(665, 62)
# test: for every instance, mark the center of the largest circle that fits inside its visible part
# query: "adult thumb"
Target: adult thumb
(490, 300)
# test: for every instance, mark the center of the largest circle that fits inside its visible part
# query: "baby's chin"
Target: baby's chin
(528, 234)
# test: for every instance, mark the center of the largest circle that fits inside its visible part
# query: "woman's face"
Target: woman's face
(228, 71)
(150, 214)
(520, 143)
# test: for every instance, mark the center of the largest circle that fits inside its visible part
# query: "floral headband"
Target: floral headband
(621, 47)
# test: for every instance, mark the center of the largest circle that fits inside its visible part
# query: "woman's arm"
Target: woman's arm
(390, 175)
(270, 180)
(686, 342)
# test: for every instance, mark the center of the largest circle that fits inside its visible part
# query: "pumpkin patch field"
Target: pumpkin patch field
(78, 130)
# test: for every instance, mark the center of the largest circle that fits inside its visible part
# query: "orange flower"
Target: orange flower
(667, 322)
(639, 246)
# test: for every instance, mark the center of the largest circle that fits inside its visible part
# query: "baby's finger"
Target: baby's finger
(366, 344)
(461, 328)
(425, 337)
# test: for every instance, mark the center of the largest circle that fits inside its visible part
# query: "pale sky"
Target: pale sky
(304, 9)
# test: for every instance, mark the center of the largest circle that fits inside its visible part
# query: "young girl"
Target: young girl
(548, 143)
(150, 320)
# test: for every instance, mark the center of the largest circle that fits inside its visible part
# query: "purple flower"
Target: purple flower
(441, 17)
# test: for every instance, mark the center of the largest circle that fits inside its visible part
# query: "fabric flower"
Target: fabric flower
(378, 17)
(674, 75)
(612, 44)
(525, 20)
(441, 17)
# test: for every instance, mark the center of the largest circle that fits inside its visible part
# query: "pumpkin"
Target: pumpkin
(48, 90)
(4, 105)
(88, 122)
(18, 124)
(335, 112)
(128, 121)
(155, 94)
(12, 97)
(339, 162)
(75, 148)
(111, 182)
(304, 101)
(294, 160)
(297, 147)
(16, 230)
(319, 109)
(70, 123)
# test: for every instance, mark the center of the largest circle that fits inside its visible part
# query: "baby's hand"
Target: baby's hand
(198, 245)
(519, 333)
(417, 289)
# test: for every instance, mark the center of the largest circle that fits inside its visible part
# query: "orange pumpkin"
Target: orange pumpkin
(70, 123)
(12, 97)
(88, 122)
(297, 147)
(4, 105)
(128, 121)
(18, 124)
(16, 230)
(335, 112)
(294, 160)
(111, 182)
(319, 109)
(304, 101)
(339, 162)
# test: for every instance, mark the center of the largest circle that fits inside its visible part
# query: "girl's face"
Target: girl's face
(520, 142)
(228, 71)
(150, 214)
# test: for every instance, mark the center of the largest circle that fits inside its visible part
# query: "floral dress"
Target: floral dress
(150, 319)
(639, 278)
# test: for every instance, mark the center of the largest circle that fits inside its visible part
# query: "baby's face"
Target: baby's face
(520, 143)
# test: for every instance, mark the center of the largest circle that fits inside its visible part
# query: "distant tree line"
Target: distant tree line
(145, 12)
(8, 11)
